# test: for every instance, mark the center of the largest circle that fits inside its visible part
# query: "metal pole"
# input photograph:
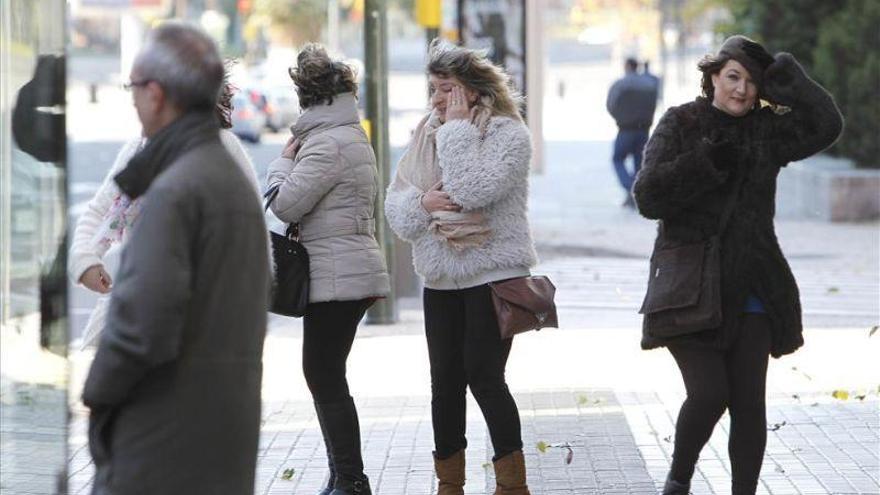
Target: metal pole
(534, 65)
(376, 61)
(432, 33)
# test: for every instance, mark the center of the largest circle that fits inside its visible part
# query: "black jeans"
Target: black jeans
(466, 349)
(328, 333)
(715, 380)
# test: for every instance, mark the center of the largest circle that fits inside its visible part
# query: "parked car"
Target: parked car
(282, 106)
(248, 121)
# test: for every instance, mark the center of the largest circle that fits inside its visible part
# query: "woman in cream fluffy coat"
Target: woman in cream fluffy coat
(110, 215)
(460, 199)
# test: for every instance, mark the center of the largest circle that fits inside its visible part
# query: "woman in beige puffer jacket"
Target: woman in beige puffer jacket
(328, 184)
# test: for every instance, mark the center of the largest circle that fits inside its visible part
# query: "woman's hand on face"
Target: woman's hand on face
(96, 279)
(437, 200)
(456, 104)
(291, 148)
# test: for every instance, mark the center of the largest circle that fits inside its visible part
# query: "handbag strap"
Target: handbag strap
(270, 195)
(292, 231)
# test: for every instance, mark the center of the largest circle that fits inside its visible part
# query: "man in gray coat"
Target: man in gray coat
(174, 389)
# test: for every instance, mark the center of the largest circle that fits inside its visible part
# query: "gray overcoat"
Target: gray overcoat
(175, 384)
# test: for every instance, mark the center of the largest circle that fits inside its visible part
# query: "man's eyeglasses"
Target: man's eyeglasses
(136, 84)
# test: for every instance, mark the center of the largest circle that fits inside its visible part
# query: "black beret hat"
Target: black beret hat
(735, 48)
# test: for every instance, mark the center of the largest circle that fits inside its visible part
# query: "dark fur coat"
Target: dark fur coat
(693, 162)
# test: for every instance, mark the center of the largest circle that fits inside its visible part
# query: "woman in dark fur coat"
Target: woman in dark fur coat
(728, 143)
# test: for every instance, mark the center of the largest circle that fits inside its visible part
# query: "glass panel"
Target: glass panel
(33, 334)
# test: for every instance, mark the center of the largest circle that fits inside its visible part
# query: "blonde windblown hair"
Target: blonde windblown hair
(478, 73)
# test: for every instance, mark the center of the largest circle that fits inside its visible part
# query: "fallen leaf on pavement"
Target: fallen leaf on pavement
(288, 474)
(776, 426)
(840, 394)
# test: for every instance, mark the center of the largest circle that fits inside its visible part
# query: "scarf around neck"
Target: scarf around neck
(419, 167)
(188, 131)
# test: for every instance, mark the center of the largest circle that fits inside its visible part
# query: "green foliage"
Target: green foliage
(783, 25)
(300, 20)
(847, 62)
(837, 43)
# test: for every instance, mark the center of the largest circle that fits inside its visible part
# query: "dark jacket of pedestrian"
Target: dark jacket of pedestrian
(693, 161)
(632, 101)
(175, 385)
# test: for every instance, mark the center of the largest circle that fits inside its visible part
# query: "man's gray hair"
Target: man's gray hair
(184, 61)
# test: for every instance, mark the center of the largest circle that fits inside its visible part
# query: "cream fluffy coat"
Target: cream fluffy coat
(486, 174)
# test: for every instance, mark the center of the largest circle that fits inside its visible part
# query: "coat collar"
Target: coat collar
(343, 111)
(187, 132)
(718, 116)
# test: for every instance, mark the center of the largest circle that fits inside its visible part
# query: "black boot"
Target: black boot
(352, 487)
(343, 432)
(332, 475)
(673, 487)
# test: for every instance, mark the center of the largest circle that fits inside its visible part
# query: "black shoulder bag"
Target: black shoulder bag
(684, 285)
(290, 290)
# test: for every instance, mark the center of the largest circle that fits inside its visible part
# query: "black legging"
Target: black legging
(466, 349)
(734, 379)
(328, 332)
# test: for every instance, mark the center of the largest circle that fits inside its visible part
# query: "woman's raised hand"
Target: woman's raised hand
(437, 200)
(456, 104)
(291, 148)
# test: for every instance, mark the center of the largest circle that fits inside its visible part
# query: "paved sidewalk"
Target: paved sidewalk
(816, 448)
(590, 388)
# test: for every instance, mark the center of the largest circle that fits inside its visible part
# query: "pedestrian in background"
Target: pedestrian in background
(460, 198)
(174, 388)
(109, 216)
(328, 183)
(723, 151)
(631, 100)
(656, 81)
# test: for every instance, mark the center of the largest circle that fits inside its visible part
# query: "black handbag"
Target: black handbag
(290, 288)
(684, 284)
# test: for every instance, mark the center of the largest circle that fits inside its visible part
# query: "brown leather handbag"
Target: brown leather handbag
(523, 304)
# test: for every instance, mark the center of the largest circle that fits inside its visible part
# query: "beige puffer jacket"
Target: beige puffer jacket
(330, 189)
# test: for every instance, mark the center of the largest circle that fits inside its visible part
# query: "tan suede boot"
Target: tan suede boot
(450, 472)
(510, 475)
